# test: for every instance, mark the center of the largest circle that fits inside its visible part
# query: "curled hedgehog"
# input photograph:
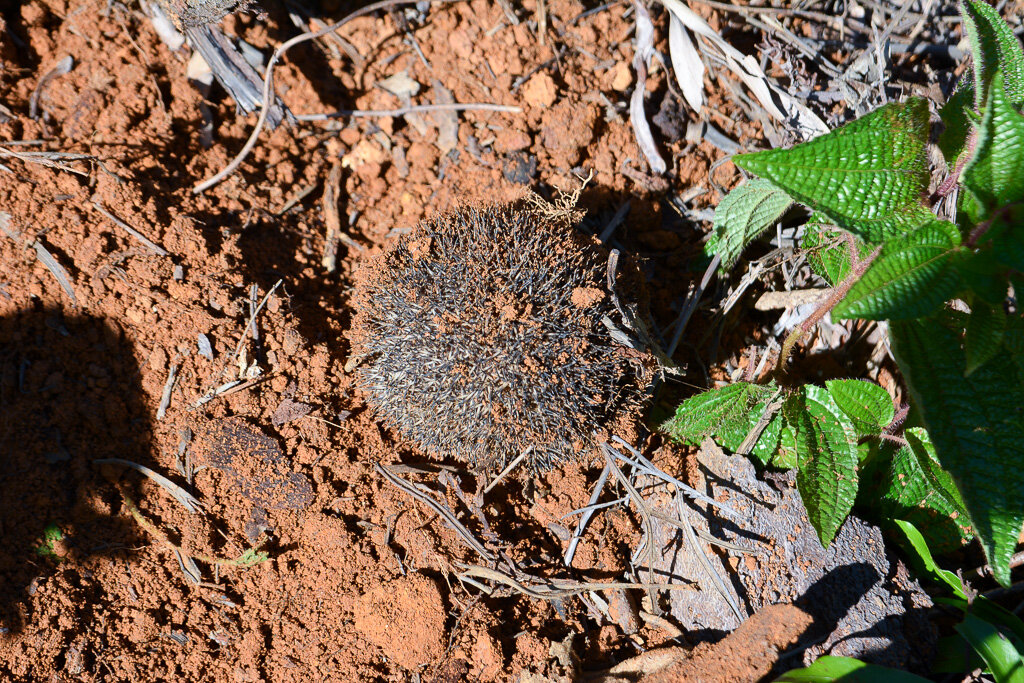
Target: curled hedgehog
(487, 334)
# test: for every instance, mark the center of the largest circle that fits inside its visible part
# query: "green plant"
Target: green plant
(875, 235)
(47, 546)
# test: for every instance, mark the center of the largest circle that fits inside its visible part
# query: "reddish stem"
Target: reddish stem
(858, 267)
(954, 177)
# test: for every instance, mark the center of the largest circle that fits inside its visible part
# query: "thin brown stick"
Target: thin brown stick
(414, 109)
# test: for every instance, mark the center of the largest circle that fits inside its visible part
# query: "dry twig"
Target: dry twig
(465, 534)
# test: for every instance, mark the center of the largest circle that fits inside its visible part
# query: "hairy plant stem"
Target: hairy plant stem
(858, 267)
(950, 183)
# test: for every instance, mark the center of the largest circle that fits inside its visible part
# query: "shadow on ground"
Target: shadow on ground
(69, 395)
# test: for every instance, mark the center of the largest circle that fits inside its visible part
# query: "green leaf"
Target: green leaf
(868, 405)
(1007, 234)
(920, 491)
(768, 444)
(984, 336)
(868, 176)
(956, 115)
(714, 411)
(983, 275)
(826, 446)
(848, 670)
(980, 606)
(994, 48)
(977, 425)
(993, 174)
(911, 277)
(827, 249)
(1002, 658)
(785, 455)
(743, 215)
(925, 559)
(953, 655)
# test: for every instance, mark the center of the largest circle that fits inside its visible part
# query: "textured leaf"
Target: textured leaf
(912, 276)
(744, 214)
(826, 446)
(827, 249)
(956, 115)
(768, 444)
(981, 272)
(994, 48)
(921, 492)
(713, 411)
(785, 455)
(848, 670)
(984, 335)
(977, 426)
(868, 405)
(993, 175)
(1002, 658)
(868, 176)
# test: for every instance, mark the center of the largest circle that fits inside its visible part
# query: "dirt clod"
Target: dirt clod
(405, 619)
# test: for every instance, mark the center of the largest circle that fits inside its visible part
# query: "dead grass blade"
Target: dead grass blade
(557, 589)
(250, 557)
(44, 255)
(647, 467)
(465, 534)
(705, 562)
(581, 525)
(64, 66)
(268, 84)
(187, 500)
(648, 542)
(772, 98)
(641, 55)
(686, 63)
(48, 159)
(146, 242)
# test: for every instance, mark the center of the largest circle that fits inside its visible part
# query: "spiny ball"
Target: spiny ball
(483, 339)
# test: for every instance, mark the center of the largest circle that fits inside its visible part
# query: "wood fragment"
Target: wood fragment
(146, 242)
(165, 397)
(773, 301)
(332, 217)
